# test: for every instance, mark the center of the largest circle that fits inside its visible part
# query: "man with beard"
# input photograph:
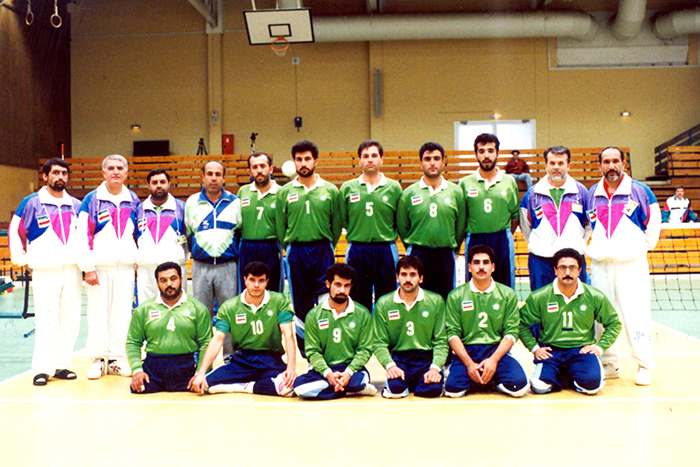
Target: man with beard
(210, 218)
(107, 256)
(309, 223)
(257, 320)
(492, 208)
(567, 311)
(161, 233)
(42, 236)
(626, 223)
(174, 328)
(482, 319)
(368, 204)
(553, 216)
(257, 229)
(338, 342)
(409, 335)
(431, 218)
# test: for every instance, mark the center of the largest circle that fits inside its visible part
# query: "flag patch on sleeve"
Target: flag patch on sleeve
(240, 318)
(292, 197)
(245, 202)
(538, 212)
(103, 215)
(552, 307)
(416, 200)
(468, 306)
(354, 197)
(592, 215)
(43, 221)
(323, 323)
(394, 314)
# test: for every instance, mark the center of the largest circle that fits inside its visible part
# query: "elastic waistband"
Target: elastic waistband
(498, 233)
(169, 356)
(371, 243)
(265, 241)
(314, 243)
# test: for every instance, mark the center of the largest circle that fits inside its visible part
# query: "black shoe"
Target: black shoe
(41, 379)
(65, 374)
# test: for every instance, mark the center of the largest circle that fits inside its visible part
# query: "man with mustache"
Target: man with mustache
(309, 223)
(553, 216)
(161, 233)
(518, 169)
(368, 205)
(482, 319)
(43, 237)
(338, 342)
(492, 208)
(409, 335)
(626, 222)
(567, 311)
(174, 327)
(430, 218)
(257, 229)
(677, 208)
(211, 217)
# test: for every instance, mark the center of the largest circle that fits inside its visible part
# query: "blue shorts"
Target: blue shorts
(569, 368)
(439, 263)
(375, 264)
(509, 373)
(265, 251)
(415, 364)
(503, 246)
(169, 373)
(245, 366)
(312, 384)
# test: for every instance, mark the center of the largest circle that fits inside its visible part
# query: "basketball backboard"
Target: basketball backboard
(265, 26)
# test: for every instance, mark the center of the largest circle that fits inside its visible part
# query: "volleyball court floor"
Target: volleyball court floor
(99, 423)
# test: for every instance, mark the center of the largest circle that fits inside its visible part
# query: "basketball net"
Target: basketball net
(279, 46)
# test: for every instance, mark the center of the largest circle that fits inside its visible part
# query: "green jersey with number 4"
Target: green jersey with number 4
(333, 340)
(568, 325)
(308, 215)
(490, 208)
(258, 212)
(369, 215)
(420, 327)
(184, 329)
(430, 218)
(255, 328)
(482, 317)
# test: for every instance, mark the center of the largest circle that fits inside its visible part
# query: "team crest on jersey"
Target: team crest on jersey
(584, 307)
(272, 205)
(473, 192)
(154, 314)
(323, 197)
(630, 207)
(496, 306)
(394, 314)
(240, 318)
(385, 198)
(575, 207)
(245, 202)
(187, 313)
(103, 215)
(43, 221)
(538, 212)
(269, 312)
(416, 200)
(354, 197)
(323, 323)
(425, 314)
(552, 307)
(468, 306)
(352, 325)
(292, 197)
(592, 215)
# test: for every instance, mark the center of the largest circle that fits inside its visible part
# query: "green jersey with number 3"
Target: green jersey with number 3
(258, 212)
(420, 327)
(255, 329)
(490, 208)
(333, 340)
(369, 215)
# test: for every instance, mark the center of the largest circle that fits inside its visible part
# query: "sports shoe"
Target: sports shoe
(643, 377)
(119, 368)
(97, 369)
(611, 371)
(281, 389)
(369, 390)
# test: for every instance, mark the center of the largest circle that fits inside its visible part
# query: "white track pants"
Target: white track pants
(627, 286)
(57, 297)
(109, 313)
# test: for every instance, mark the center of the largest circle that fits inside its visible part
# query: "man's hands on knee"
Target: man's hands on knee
(139, 380)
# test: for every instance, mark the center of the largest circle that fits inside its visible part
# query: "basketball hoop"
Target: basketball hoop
(280, 46)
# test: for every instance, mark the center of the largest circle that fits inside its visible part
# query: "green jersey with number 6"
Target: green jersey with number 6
(430, 218)
(369, 215)
(258, 212)
(182, 329)
(255, 328)
(420, 327)
(490, 207)
(308, 215)
(568, 323)
(482, 318)
(333, 340)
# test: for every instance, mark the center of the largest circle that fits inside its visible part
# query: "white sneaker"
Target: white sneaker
(118, 367)
(369, 390)
(97, 369)
(643, 377)
(281, 389)
(611, 370)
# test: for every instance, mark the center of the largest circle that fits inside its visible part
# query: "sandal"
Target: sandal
(65, 374)
(41, 379)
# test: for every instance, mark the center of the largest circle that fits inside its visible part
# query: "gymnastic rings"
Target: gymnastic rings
(29, 19)
(58, 22)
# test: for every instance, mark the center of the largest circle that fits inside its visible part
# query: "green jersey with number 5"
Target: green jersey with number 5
(255, 328)
(258, 212)
(369, 215)
(490, 208)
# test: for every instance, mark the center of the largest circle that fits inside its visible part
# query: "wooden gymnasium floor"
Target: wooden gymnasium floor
(99, 423)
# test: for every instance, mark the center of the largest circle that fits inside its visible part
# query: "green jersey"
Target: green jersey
(369, 215)
(568, 323)
(183, 329)
(432, 218)
(487, 317)
(421, 326)
(254, 328)
(258, 212)
(307, 215)
(490, 207)
(334, 340)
